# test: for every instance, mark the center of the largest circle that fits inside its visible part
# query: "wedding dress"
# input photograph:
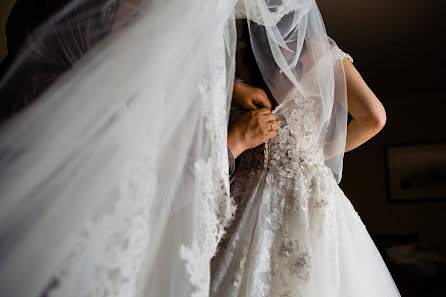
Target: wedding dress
(296, 234)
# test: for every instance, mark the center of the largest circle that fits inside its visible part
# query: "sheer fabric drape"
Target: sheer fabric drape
(114, 176)
(294, 54)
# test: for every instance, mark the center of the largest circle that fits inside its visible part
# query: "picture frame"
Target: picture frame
(416, 172)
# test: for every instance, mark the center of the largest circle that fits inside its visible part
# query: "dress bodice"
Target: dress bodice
(298, 138)
(297, 146)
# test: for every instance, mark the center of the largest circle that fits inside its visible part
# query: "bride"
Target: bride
(295, 232)
(115, 181)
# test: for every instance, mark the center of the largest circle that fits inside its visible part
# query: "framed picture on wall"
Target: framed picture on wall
(416, 172)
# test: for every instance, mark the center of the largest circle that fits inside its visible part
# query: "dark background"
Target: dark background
(399, 48)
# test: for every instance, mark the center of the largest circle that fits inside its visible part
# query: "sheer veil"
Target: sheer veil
(297, 58)
(114, 180)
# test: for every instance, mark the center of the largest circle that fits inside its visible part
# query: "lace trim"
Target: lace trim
(124, 236)
(216, 207)
(340, 55)
(248, 9)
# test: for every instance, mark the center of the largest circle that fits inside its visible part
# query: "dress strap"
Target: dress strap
(340, 55)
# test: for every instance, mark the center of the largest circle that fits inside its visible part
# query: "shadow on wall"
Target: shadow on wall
(5, 8)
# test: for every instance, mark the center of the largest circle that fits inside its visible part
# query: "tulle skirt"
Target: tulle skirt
(297, 235)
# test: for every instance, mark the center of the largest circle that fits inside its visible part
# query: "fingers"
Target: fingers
(264, 119)
(255, 127)
(263, 111)
(269, 117)
(251, 97)
(251, 105)
(272, 125)
(270, 135)
(260, 99)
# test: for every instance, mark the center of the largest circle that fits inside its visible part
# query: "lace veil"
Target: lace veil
(114, 177)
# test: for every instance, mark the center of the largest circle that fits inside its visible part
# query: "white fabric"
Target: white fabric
(293, 52)
(115, 182)
(296, 233)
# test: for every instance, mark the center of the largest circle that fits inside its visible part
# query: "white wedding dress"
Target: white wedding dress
(295, 233)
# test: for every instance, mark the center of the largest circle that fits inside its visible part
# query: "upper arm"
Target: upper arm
(362, 102)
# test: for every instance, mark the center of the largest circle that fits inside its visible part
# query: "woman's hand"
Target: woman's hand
(250, 97)
(251, 129)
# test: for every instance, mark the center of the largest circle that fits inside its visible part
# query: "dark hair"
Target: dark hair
(247, 67)
(248, 58)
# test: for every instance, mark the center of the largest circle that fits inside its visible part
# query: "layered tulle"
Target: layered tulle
(114, 176)
(299, 237)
